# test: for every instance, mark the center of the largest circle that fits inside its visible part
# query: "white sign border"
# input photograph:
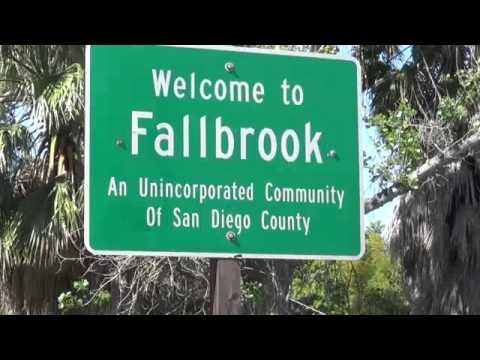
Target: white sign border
(224, 255)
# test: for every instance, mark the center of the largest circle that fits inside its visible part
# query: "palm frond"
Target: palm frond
(9, 257)
(15, 143)
(435, 236)
(61, 102)
(49, 230)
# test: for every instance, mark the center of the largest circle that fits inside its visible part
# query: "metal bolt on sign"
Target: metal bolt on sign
(230, 67)
(231, 236)
(332, 154)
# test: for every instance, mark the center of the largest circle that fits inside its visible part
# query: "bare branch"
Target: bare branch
(306, 306)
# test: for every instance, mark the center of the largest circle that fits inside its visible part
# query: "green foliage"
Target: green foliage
(458, 109)
(323, 286)
(419, 107)
(253, 296)
(370, 286)
(329, 49)
(324, 49)
(470, 83)
(400, 140)
(81, 299)
(451, 110)
(377, 282)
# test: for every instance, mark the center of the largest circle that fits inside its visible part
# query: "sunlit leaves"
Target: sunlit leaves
(400, 139)
(82, 299)
(451, 110)
(370, 286)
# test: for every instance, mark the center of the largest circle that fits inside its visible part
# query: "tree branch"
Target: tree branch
(450, 155)
(306, 306)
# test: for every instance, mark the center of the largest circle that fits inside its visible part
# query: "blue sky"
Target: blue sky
(383, 214)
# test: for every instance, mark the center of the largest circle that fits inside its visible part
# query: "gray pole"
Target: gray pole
(226, 289)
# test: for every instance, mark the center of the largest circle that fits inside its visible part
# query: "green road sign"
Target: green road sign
(222, 152)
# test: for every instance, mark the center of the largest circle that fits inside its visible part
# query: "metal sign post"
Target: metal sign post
(227, 296)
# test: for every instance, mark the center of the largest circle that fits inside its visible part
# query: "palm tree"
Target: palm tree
(435, 230)
(41, 171)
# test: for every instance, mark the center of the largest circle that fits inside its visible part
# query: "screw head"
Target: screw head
(119, 142)
(332, 154)
(230, 67)
(231, 236)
